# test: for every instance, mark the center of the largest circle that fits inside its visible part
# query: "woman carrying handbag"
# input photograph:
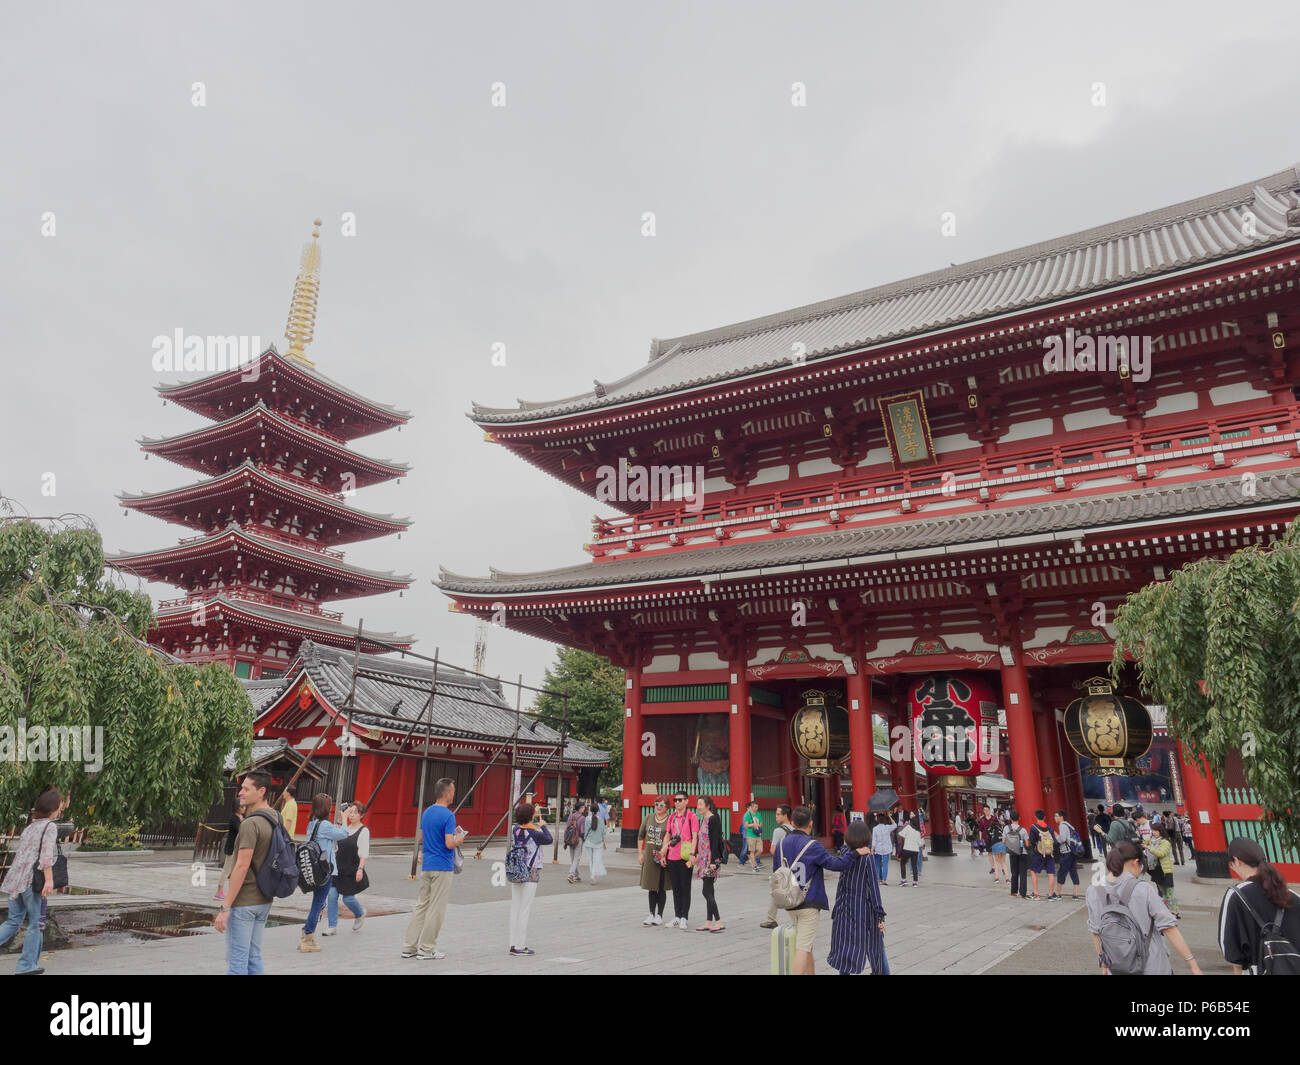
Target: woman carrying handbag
(350, 857)
(31, 877)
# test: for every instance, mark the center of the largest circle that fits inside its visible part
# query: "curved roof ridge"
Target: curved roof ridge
(1164, 240)
(261, 409)
(251, 467)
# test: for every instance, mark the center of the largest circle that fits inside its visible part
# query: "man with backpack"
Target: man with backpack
(1100, 823)
(1017, 840)
(1122, 829)
(783, 828)
(248, 901)
(1069, 847)
(1175, 835)
(1043, 849)
(574, 833)
(798, 884)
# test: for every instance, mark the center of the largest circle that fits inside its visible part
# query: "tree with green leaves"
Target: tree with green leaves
(1218, 644)
(72, 655)
(595, 705)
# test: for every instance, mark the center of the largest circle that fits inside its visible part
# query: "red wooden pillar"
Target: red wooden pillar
(908, 796)
(1049, 765)
(940, 826)
(739, 769)
(862, 760)
(1209, 841)
(1020, 737)
(892, 722)
(1076, 807)
(367, 776)
(632, 776)
(790, 768)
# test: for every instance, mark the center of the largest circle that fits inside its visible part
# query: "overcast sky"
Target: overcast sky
(522, 224)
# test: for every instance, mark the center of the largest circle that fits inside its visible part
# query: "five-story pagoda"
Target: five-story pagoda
(270, 508)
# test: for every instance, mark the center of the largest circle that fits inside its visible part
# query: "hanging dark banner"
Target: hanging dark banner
(907, 429)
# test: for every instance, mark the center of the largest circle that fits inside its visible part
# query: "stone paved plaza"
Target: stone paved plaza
(956, 922)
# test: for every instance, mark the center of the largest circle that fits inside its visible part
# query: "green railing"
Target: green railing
(684, 693)
(769, 791)
(658, 787)
(1239, 796)
(1264, 835)
(724, 816)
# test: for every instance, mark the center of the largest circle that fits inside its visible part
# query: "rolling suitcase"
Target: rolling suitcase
(783, 950)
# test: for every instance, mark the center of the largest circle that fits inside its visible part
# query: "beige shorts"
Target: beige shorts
(805, 927)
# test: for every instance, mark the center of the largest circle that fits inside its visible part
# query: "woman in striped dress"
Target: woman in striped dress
(858, 918)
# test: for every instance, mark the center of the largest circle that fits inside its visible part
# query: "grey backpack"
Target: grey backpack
(787, 892)
(1123, 946)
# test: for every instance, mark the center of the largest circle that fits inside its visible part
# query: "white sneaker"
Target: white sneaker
(677, 922)
(329, 931)
(658, 918)
(649, 920)
(358, 922)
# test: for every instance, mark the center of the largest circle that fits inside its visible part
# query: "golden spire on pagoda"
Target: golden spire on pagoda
(302, 308)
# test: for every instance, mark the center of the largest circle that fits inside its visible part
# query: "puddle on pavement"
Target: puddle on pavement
(141, 924)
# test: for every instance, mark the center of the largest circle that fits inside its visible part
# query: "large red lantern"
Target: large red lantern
(954, 725)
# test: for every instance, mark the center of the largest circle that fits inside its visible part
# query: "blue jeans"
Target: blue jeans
(25, 905)
(882, 866)
(318, 898)
(244, 939)
(332, 907)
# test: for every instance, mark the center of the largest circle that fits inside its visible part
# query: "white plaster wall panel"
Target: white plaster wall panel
(1238, 393)
(875, 457)
(816, 467)
(1178, 403)
(1028, 430)
(770, 475)
(1086, 419)
(953, 442)
(662, 664)
(705, 660)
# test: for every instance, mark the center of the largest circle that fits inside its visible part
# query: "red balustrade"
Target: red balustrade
(250, 595)
(1004, 470)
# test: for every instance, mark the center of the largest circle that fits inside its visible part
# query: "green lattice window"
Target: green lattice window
(684, 693)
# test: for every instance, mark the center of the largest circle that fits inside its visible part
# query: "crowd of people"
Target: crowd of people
(1132, 913)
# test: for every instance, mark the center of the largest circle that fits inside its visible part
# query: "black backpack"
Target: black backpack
(994, 830)
(1277, 955)
(313, 866)
(278, 874)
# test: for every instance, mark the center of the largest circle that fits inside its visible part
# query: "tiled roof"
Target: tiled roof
(466, 706)
(286, 364)
(261, 412)
(1237, 220)
(209, 485)
(963, 533)
(295, 619)
(123, 559)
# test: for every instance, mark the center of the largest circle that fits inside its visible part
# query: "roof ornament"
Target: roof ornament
(302, 308)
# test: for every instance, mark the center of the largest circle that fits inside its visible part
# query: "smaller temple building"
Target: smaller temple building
(380, 733)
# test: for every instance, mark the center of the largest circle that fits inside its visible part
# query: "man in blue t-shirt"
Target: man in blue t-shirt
(440, 837)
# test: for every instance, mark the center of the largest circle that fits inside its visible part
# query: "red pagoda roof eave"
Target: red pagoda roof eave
(368, 644)
(210, 546)
(211, 485)
(164, 446)
(1091, 302)
(183, 391)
